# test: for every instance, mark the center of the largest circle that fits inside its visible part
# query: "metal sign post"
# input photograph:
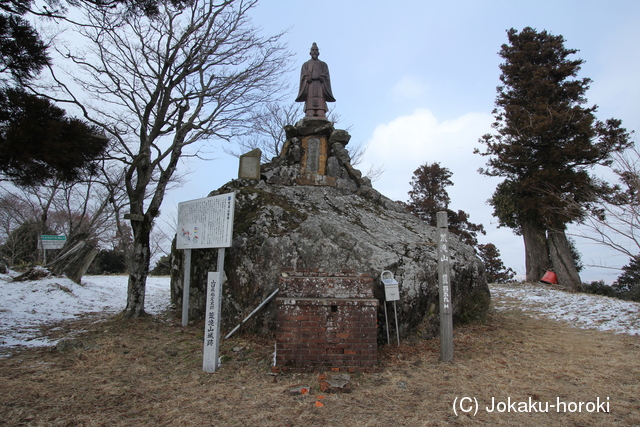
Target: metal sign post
(186, 284)
(444, 274)
(202, 224)
(391, 293)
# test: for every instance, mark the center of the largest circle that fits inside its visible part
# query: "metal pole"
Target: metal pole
(186, 283)
(221, 263)
(262, 304)
(386, 319)
(395, 312)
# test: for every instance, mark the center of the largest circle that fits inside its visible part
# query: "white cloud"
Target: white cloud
(407, 142)
(410, 141)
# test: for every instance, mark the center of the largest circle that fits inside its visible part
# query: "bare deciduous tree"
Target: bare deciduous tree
(267, 133)
(615, 221)
(159, 86)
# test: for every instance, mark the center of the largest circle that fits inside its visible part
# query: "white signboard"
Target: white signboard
(392, 292)
(212, 322)
(206, 223)
(52, 242)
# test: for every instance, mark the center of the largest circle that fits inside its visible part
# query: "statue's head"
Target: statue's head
(315, 52)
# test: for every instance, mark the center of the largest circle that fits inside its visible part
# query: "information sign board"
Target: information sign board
(52, 242)
(206, 223)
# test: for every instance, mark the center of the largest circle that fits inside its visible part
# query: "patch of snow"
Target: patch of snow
(580, 310)
(26, 306)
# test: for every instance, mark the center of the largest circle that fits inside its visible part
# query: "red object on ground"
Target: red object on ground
(550, 277)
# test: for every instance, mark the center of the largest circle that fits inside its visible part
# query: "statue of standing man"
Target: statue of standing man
(315, 86)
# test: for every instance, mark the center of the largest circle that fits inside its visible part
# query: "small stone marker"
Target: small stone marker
(250, 165)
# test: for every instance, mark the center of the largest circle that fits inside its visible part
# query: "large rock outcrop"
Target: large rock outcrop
(337, 223)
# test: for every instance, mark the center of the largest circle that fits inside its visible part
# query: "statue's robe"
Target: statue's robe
(317, 93)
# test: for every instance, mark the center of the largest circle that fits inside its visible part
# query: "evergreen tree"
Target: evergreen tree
(495, 270)
(163, 267)
(546, 141)
(628, 284)
(37, 140)
(108, 262)
(429, 196)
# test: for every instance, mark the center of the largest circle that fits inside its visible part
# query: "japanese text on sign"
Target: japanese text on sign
(212, 322)
(206, 223)
(443, 259)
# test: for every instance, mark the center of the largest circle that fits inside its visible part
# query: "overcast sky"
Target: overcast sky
(415, 82)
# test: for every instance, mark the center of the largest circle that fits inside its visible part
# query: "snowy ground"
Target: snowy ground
(579, 310)
(26, 306)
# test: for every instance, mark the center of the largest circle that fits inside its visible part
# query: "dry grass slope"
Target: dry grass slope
(148, 373)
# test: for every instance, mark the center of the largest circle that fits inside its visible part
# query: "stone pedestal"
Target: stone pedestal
(325, 321)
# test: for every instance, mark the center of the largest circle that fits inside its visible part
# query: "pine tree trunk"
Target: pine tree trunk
(139, 269)
(536, 252)
(563, 264)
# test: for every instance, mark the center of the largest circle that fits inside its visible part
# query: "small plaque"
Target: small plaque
(313, 155)
(250, 165)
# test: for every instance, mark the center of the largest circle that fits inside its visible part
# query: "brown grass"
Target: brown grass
(148, 373)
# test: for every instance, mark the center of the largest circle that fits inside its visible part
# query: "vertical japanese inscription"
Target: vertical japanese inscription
(443, 270)
(313, 155)
(212, 322)
(444, 277)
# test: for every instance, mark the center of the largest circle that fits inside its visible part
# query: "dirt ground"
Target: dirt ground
(148, 372)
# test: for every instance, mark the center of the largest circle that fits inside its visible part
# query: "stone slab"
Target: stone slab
(250, 165)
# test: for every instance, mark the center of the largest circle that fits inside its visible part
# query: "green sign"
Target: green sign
(52, 242)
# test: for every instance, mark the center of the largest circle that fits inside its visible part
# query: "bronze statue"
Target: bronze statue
(315, 86)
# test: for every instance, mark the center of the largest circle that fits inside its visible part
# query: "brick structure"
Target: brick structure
(326, 321)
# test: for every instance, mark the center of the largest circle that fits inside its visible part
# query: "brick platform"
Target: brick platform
(326, 321)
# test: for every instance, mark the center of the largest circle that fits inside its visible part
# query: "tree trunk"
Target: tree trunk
(75, 261)
(139, 269)
(536, 252)
(563, 263)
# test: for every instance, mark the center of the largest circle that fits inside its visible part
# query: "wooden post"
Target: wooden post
(186, 283)
(213, 316)
(444, 279)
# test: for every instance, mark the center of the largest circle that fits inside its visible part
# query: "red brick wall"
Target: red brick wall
(326, 321)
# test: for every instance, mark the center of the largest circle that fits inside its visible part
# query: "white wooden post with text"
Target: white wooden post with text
(444, 279)
(204, 224)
